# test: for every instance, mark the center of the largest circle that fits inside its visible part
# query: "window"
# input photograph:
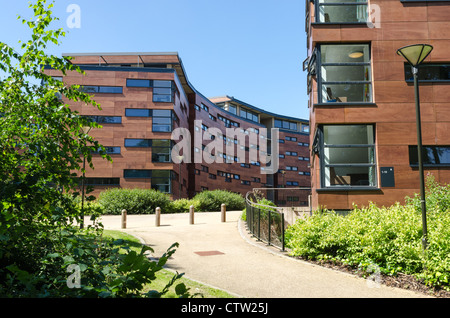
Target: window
(247, 114)
(429, 72)
(109, 151)
(232, 109)
(138, 143)
(101, 89)
(432, 156)
(197, 107)
(292, 183)
(288, 138)
(348, 156)
(291, 168)
(291, 153)
(163, 91)
(204, 107)
(138, 112)
(344, 73)
(131, 82)
(161, 149)
(105, 119)
(284, 124)
(212, 176)
(139, 174)
(212, 117)
(162, 120)
(341, 11)
(102, 181)
(162, 180)
(281, 141)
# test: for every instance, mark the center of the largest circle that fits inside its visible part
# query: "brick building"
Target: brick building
(145, 97)
(361, 99)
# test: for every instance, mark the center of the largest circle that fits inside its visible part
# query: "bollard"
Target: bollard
(158, 216)
(191, 214)
(124, 219)
(224, 211)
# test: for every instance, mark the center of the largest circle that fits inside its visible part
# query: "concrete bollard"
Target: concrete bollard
(158, 216)
(191, 214)
(124, 219)
(223, 209)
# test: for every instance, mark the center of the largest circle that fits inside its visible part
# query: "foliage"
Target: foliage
(389, 237)
(211, 201)
(183, 205)
(135, 201)
(42, 146)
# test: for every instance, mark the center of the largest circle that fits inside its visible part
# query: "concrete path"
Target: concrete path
(225, 256)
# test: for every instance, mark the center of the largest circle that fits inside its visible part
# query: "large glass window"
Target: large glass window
(341, 11)
(162, 91)
(284, 124)
(161, 180)
(344, 74)
(162, 120)
(348, 156)
(432, 156)
(161, 149)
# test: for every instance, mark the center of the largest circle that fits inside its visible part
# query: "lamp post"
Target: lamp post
(415, 55)
(86, 130)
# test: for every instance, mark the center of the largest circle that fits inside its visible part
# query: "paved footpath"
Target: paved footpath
(225, 256)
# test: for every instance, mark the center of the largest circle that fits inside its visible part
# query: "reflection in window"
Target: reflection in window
(105, 119)
(139, 143)
(432, 155)
(429, 72)
(162, 180)
(135, 173)
(138, 112)
(348, 155)
(284, 124)
(161, 149)
(131, 82)
(162, 120)
(163, 91)
(341, 11)
(344, 74)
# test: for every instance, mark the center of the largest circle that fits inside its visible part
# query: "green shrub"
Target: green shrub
(183, 205)
(211, 201)
(135, 201)
(390, 238)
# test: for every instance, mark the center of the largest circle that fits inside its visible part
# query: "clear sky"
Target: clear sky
(250, 49)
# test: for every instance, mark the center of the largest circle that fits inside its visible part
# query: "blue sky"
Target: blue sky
(250, 49)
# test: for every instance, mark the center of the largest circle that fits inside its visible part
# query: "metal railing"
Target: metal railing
(265, 222)
(268, 223)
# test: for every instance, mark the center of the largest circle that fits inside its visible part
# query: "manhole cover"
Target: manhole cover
(208, 253)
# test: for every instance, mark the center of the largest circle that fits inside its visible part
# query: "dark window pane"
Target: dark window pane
(106, 119)
(432, 155)
(137, 112)
(131, 173)
(138, 83)
(102, 181)
(138, 143)
(429, 72)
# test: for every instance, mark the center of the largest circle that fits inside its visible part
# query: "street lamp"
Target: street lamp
(86, 130)
(415, 55)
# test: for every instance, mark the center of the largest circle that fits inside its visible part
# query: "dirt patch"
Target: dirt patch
(408, 282)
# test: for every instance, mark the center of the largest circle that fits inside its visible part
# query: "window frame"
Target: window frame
(317, 6)
(320, 81)
(324, 166)
(412, 150)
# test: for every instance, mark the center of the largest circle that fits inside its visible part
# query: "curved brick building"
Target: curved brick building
(145, 97)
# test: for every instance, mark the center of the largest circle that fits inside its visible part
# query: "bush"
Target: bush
(135, 201)
(183, 205)
(210, 201)
(390, 238)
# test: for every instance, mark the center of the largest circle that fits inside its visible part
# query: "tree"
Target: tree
(42, 145)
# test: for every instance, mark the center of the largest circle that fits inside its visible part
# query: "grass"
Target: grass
(164, 275)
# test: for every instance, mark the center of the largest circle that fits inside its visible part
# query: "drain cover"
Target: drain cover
(208, 253)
